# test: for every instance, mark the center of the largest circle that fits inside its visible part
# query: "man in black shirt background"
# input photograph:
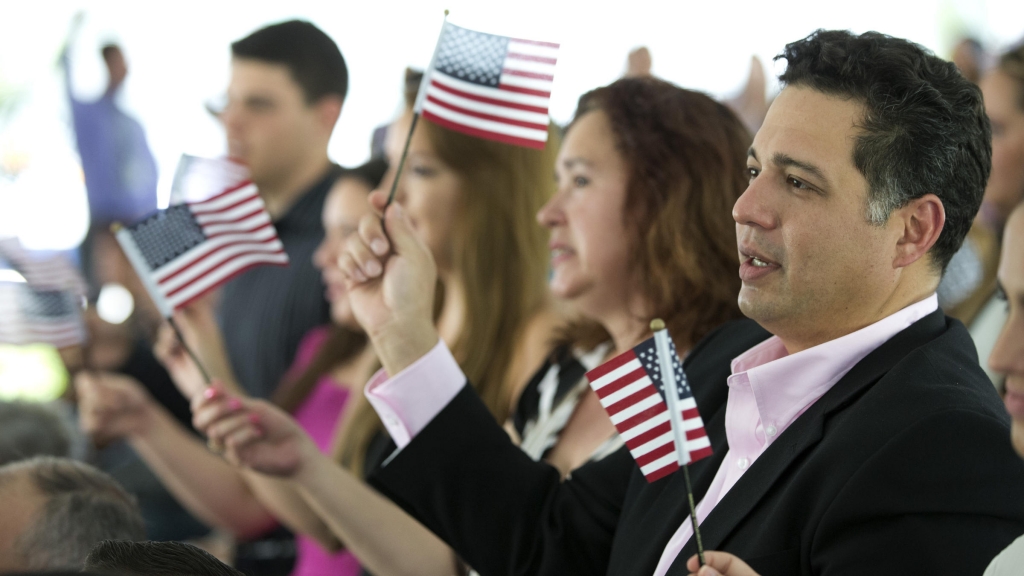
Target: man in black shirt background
(288, 84)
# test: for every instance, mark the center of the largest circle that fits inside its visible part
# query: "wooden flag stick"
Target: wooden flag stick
(671, 387)
(401, 160)
(188, 350)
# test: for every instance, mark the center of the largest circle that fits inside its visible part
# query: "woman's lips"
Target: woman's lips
(560, 254)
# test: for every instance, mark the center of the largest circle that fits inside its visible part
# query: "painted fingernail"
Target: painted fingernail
(379, 247)
(254, 418)
(210, 393)
(235, 404)
(372, 268)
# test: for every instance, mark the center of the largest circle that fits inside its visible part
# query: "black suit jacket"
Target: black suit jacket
(903, 467)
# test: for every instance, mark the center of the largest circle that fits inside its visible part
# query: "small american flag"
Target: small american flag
(632, 391)
(30, 315)
(489, 86)
(187, 250)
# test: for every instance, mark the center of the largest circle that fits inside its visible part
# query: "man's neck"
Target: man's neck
(280, 195)
(826, 332)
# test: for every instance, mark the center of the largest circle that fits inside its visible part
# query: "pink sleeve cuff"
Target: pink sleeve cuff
(408, 402)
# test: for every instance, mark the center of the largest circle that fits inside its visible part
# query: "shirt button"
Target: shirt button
(743, 463)
(770, 430)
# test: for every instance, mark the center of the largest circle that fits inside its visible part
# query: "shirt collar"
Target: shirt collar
(785, 385)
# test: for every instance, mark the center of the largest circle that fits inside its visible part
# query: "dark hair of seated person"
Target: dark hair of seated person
(125, 558)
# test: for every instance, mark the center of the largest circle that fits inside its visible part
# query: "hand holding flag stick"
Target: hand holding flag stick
(645, 392)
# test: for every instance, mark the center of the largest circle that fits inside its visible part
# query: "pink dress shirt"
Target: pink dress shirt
(768, 390)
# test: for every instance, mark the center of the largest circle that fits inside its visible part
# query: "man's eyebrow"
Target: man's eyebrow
(782, 159)
(751, 153)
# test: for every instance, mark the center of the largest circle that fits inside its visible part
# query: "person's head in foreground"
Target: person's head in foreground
(864, 180)
(55, 510)
(126, 558)
(288, 84)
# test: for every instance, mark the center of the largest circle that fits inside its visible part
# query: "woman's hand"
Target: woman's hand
(252, 433)
(391, 277)
(199, 328)
(112, 406)
(719, 564)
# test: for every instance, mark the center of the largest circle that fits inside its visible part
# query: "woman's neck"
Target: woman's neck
(453, 309)
(627, 324)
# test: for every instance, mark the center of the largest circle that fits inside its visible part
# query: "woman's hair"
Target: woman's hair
(686, 155)
(500, 254)
(342, 343)
(1012, 64)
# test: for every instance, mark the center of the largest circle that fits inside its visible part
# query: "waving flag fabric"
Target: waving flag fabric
(189, 249)
(632, 390)
(31, 315)
(489, 86)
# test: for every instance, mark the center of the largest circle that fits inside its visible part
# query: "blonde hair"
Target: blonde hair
(500, 254)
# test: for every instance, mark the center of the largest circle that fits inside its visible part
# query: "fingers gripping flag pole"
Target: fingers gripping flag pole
(486, 86)
(646, 395)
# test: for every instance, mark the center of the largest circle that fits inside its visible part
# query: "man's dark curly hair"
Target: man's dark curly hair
(924, 128)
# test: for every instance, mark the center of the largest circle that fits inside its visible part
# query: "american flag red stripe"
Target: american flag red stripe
(630, 389)
(489, 86)
(228, 233)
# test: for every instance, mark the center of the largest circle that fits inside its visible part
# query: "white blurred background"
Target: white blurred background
(178, 55)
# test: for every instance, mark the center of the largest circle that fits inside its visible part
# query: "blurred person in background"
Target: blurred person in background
(970, 58)
(55, 510)
(28, 430)
(127, 558)
(331, 365)
(120, 172)
(410, 88)
(968, 291)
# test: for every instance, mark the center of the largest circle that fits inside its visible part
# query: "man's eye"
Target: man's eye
(796, 183)
(580, 181)
(752, 172)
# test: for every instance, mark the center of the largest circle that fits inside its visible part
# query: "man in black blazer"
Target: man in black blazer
(865, 177)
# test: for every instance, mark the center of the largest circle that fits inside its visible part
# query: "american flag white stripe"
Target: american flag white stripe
(235, 234)
(22, 323)
(537, 104)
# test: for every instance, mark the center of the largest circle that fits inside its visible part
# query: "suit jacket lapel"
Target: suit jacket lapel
(804, 433)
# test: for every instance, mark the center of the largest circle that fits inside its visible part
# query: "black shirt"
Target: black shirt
(265, 311)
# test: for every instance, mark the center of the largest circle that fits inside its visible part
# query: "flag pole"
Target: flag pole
(668, 377)
(417, 106)
(188, 350)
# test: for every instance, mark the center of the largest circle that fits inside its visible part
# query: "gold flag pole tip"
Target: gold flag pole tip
(115, 227)
(657, 324)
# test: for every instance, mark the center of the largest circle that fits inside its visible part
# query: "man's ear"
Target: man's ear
(922, 220)
(328, 110)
